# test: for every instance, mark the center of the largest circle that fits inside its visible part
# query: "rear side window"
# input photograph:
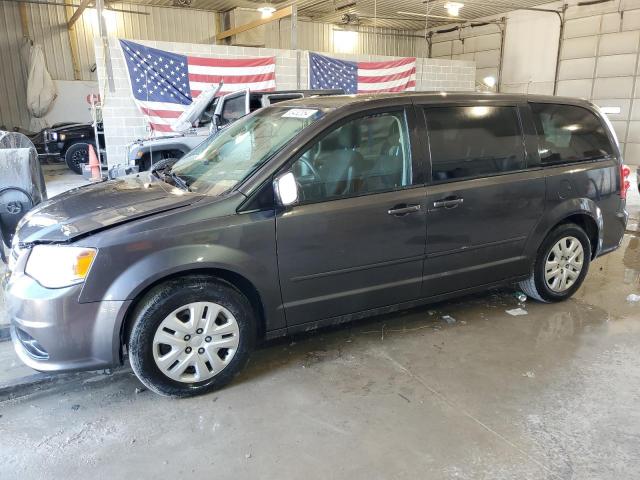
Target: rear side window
(468, 142)
(567, 133)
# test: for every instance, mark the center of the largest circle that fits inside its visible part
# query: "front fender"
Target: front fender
(559, 213)
(181, 260)
(136, 256)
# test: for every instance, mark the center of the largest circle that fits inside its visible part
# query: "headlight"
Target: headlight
(57, 266)
(53, 136)
(62, 137)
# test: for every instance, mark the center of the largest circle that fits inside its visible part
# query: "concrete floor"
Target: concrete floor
(550, 394)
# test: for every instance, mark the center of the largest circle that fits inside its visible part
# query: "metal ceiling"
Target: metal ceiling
(382, 13)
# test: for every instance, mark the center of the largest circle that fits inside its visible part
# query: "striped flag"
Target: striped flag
(165, 83)
(362, 77)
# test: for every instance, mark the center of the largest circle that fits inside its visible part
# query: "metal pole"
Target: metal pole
(560, 42)
(503, 29)
(94, 117)
(102, 31)
(294, 41)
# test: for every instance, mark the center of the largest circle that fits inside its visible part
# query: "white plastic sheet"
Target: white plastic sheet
(41, 91)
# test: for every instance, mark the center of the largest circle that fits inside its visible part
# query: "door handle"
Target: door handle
(448, 203)
(404, 209)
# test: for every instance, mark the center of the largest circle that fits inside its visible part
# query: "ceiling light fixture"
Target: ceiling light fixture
(266, 11)
(489, 81)
(453, 8)
(436, 17)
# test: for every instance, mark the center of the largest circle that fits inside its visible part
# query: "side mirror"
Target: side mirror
(215, 123)
(286, 189)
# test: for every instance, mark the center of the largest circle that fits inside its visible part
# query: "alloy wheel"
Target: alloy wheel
(196, 342)
(563, 264)
(79, 157)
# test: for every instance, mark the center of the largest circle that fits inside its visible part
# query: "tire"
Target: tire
(538, 286)
(168, 300)
(164, 163)
(76, 155)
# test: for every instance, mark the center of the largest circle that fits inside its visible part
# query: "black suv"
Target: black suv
(309, 213)
(70, 142)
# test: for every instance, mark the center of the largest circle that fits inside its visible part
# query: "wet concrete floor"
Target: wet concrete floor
(550, 394)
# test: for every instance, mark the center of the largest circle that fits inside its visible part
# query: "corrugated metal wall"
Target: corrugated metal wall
(48, 27)
(13, 91)
(320, 37)
(166, 24)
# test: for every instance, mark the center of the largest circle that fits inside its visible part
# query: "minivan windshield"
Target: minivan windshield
(226, 159)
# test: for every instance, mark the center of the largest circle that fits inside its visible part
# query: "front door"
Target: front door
(356, 240)
(482, 201)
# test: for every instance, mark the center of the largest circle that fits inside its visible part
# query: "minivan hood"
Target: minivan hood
(84, 210)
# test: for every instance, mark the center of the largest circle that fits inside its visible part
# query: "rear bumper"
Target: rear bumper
(52, 331)
(612, 232)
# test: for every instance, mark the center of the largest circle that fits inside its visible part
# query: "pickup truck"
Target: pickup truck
(70, 142)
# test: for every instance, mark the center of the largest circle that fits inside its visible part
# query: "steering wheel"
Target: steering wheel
(317, 179)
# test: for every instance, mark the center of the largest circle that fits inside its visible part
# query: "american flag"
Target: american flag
(165, 83)
(362, 77)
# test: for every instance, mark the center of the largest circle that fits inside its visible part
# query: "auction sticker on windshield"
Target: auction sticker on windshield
(299, 113)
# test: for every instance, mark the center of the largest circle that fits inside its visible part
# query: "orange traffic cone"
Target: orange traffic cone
(96, 175)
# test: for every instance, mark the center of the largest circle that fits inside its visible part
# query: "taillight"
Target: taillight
(624, 180)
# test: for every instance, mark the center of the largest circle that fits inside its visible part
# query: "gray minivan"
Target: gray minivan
(309, 213)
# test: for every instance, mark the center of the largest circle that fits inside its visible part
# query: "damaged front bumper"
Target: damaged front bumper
(52, 331)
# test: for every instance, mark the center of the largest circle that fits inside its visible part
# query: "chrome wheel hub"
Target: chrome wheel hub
(564, 264)
(196, 342)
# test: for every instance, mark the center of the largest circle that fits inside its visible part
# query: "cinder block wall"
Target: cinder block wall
(480, 45)
(600, 60)
(123, 122)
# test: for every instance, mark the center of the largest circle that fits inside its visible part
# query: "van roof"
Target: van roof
(338, 101)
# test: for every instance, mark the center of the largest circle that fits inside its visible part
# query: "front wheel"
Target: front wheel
(77, 155)
(191, 336)
(561, 265)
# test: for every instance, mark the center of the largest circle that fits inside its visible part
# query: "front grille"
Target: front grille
(31, 345)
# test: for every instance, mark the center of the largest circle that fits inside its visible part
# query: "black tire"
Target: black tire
(158, 303)
(165, 163)
(536, 286)
(76, 155)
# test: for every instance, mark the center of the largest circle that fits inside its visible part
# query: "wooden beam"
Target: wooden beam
(76, 15)
(24, 20)
(73, 41)
(282, 13)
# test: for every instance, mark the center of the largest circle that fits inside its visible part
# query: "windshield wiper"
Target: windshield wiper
(177, 179)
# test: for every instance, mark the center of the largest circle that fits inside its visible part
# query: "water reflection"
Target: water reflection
(631, 260)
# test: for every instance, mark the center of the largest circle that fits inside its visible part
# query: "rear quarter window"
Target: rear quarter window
(474, 141)
(567, 133)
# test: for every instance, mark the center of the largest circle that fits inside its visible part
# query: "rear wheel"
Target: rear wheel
(561, 265)
(191, 336)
